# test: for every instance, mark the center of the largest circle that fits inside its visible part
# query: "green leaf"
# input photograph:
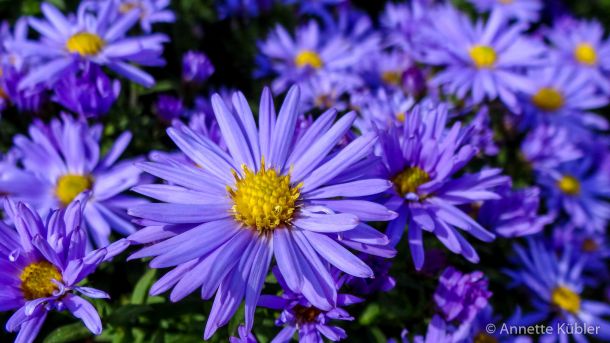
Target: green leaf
(140, 292)
(128, 314)
(68, 333)
(370, 314)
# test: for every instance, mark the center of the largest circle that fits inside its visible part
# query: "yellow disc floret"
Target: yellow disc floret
(483, 337)
(85, 44)
(37, 280)
(408, 180)
(391, 77)
(569, 185)
(71, 185)
(585, 54)
(264, 200)
(548, 99)
(566, 299)
(483, 56)
(308, 58)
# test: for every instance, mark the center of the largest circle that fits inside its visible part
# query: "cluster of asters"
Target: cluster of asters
(419, 127)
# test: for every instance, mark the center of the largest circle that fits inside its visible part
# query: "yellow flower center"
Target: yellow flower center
(71, 185)
(483, 337)
(548, 99)
(585, 53)
(483, 56)
(264, 200)
(400, 116)
(306, 314)
(36, 280)
(126, 7)
(308, 58)
(85, 44)
(569, 185)
(3, 94)
(505, 2)
(408, 180)
(590, 245)
(566, 299)
(391, 77)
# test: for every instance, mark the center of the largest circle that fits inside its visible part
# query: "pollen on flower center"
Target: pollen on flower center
(505, 2)
(264, 200)
(391, 77)
(408, 180)
(569, 185)
(85, 44)
(71, 185)
(306, 314)
(548, 99)
(566, 299)
(483, 56)
(37, 280)
(308, 58)
(585, 53)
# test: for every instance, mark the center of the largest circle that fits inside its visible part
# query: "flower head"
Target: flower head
(44, 262)
(168, 107)
(196, 67)
(459, 296)
(523, 10)
(92, 37)
(223, 219)
(421, 159)
(61, 160)
(150, 12)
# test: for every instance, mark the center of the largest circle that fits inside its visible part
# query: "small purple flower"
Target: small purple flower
(460, 297)
(299, 315)
(421, 159)
(25, 100)
(515, 214)
(168, 107)
(43, 263)
(151, 12)
(523, 10)
(547, 146)
(382, 282)
(89, 93)
(196, 67)
(90, 36)
(59, 161)
(382, 109)
(483, 134)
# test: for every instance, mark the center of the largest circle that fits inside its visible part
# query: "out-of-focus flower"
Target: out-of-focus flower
(382, 109)
(326, 90)
(523, 10)
(90, 93)
(223, 219)
(196, 67)
(89, 37)
(562, 97)
(460, 297)
(582, 45)
(25, 100)
(515, 214)
(310, 52)
(299, 315)
(150, 12)
(242, 8)
(548, 146)
(168, 108)
(421, 159)
(382, 282)
(482, 59)
(557, 286)
(43, 263)
(61, 160)
(483, 136)
(580, 189)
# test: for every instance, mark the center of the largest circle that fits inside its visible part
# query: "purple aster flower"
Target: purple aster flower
(318, 8)
(547, 146)
(43, 263)
(168, 107)
(382, 110)
(515, 214)
(61, 160)
(92, 37)
(421, 159)
(389, 70)
(483, 59)
(557, 286)
(196, 67)
(582, 45)
(150, 12)
(90, 93)
(221, 222)
(438, 331)
(523, 10)
(25, 100)
(402, 24)
(580, 190)
(310, 52)
(299, 315)
(562, 97)
(328, 90)
(460, 297)
(243, 8)
(8, 55)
